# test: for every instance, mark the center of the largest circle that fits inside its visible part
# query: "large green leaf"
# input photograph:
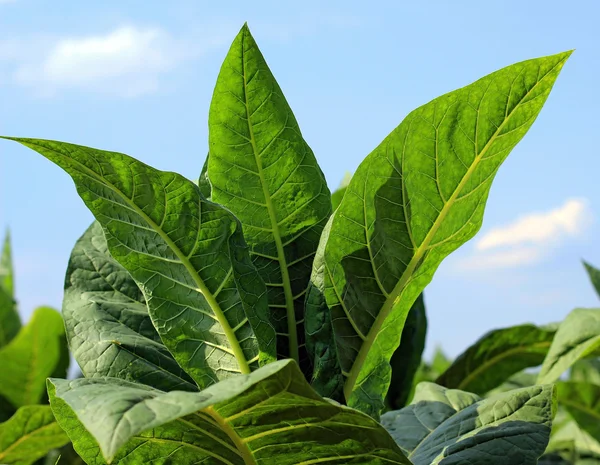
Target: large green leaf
(582, 401)
(107, 321)
(496, 356)
(262, 169)
(270, 416)
(447, 426)
(406, 360)
(32, 356)
(30, 434)
(10, 322)
(578, 336)
(186, 254)
(594, 275)
(416, 198)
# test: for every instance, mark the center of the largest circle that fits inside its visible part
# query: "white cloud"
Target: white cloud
(570, 219)
(508, 259)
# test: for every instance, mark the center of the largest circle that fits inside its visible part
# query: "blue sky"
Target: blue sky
(138, 78)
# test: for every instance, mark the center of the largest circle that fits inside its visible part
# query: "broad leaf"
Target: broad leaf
(31, 357)
(577, 337)
(107, 321)
(447, 426)
(10, 322)
(594, 275)
(406, 360)
(270, 416)
(186, 254)
(338, 195)
(416, 198)
(497, 356)
(582, 401)
(29, 435)
(279, 194)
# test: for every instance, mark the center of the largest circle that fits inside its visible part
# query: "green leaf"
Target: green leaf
(269, 416)
(6, 267)
(10, 322)
(594, 275)
(204, 182)
(279, 193)
(516, 381)
(416, 198)
(406, 360)
(338, 195)
(572, 442)
(582, 401)
(107, 321)
(31, 357)
(577, 337)
(186, 254)
(496, 356)
(587, 371)
(447, 426)
(29, 435)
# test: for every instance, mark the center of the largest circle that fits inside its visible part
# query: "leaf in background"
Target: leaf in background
(338, 195)
(571, 442)
(262, 169)
(594, 275)
(29, 435)
(10, 322)
(107, 321)
(578, 336)
(553, 459)
(406, 360)
(32, 356)
(269, 416)
(497, 356)
(582, 401)
(186, 254)
(587, 371)
(446, 426)
(516, 381)
(416, 198)
(204, 182)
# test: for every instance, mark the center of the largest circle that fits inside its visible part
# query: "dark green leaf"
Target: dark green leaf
(446, 426)
(270, 416)
(107, 320)
(594, 275)
(416, 198)
(186, 254)
(262, 169)
(497, 356)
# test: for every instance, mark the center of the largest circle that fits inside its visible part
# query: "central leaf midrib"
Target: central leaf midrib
(285, 278)
(215, 307)
(396, 293)
(239, 443)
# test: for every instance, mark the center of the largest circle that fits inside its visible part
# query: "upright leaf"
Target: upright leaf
(416, 198)
(594, 275)
(578, 336)
(204, 182)
(186, 254)
(6, 267)
(29, 435)
(338, 195)
(269, 416)
(10, 322)
(445, 426)
(107, 321)
(32, 356)
(262, 169)
(497, 356)
(582, 401)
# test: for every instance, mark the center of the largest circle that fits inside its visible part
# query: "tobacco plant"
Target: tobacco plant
(240, 320)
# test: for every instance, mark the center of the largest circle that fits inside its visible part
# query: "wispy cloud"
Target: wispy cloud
(530, 238)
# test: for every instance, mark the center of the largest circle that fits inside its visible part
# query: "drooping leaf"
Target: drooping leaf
(577, 337)
(586, 371)
(30, 434)
(10, 322)
(32, 356)
(446, 426)
(269, 416)
(407, 358)
(107, 321)
(186, 254)
(582, 401)
(416, 198)
(262, 169)
(496, 356)
(594, 275)
(338, 195)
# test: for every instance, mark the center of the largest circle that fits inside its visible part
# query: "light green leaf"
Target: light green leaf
(270, 416)
(577, 337)
(204, 182)
(10, 322)
(6, 267)
(587, 371)
(582, 401)
(496, 356)
(32, 356)
(594, 275)
(516, 381)
(416, 198)
(262, 169)
(576, 445)
(186, 254)
(107, 321)
(447, 426)
(30, 434)
(338, 195)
